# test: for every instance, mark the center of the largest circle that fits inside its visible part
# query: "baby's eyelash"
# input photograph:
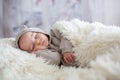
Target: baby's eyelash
(35, 36)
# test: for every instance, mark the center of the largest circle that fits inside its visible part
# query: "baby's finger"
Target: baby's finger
(72, 58)
(69, 58)
(66, 60)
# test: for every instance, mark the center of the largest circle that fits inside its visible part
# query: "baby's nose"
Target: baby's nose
(38, 42)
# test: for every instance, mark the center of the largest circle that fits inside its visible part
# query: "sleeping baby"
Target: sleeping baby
(55, 48)
(70, 43)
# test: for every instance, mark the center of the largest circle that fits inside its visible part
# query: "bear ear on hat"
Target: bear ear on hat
(23, 27)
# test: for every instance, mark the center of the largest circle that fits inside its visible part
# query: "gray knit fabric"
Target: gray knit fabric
(25, 29)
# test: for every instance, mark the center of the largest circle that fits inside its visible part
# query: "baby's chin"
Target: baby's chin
(44, 47)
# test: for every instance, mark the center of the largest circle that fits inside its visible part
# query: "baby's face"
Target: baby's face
(32, 41)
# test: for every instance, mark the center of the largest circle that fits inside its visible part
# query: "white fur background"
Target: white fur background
(19, 65)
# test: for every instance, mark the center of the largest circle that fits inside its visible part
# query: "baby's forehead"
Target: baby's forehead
(25, 35)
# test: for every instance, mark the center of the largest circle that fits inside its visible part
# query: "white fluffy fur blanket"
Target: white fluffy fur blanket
(89, 39)
(93, 39)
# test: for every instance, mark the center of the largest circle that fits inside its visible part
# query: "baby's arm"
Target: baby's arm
(66, 48)
(51, 56)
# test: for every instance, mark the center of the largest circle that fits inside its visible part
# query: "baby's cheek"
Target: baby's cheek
(38, 47)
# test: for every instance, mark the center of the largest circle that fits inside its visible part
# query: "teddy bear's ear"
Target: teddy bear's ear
(19, 28)
(23, 27)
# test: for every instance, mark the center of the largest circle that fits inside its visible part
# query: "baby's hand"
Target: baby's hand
(68, 57)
